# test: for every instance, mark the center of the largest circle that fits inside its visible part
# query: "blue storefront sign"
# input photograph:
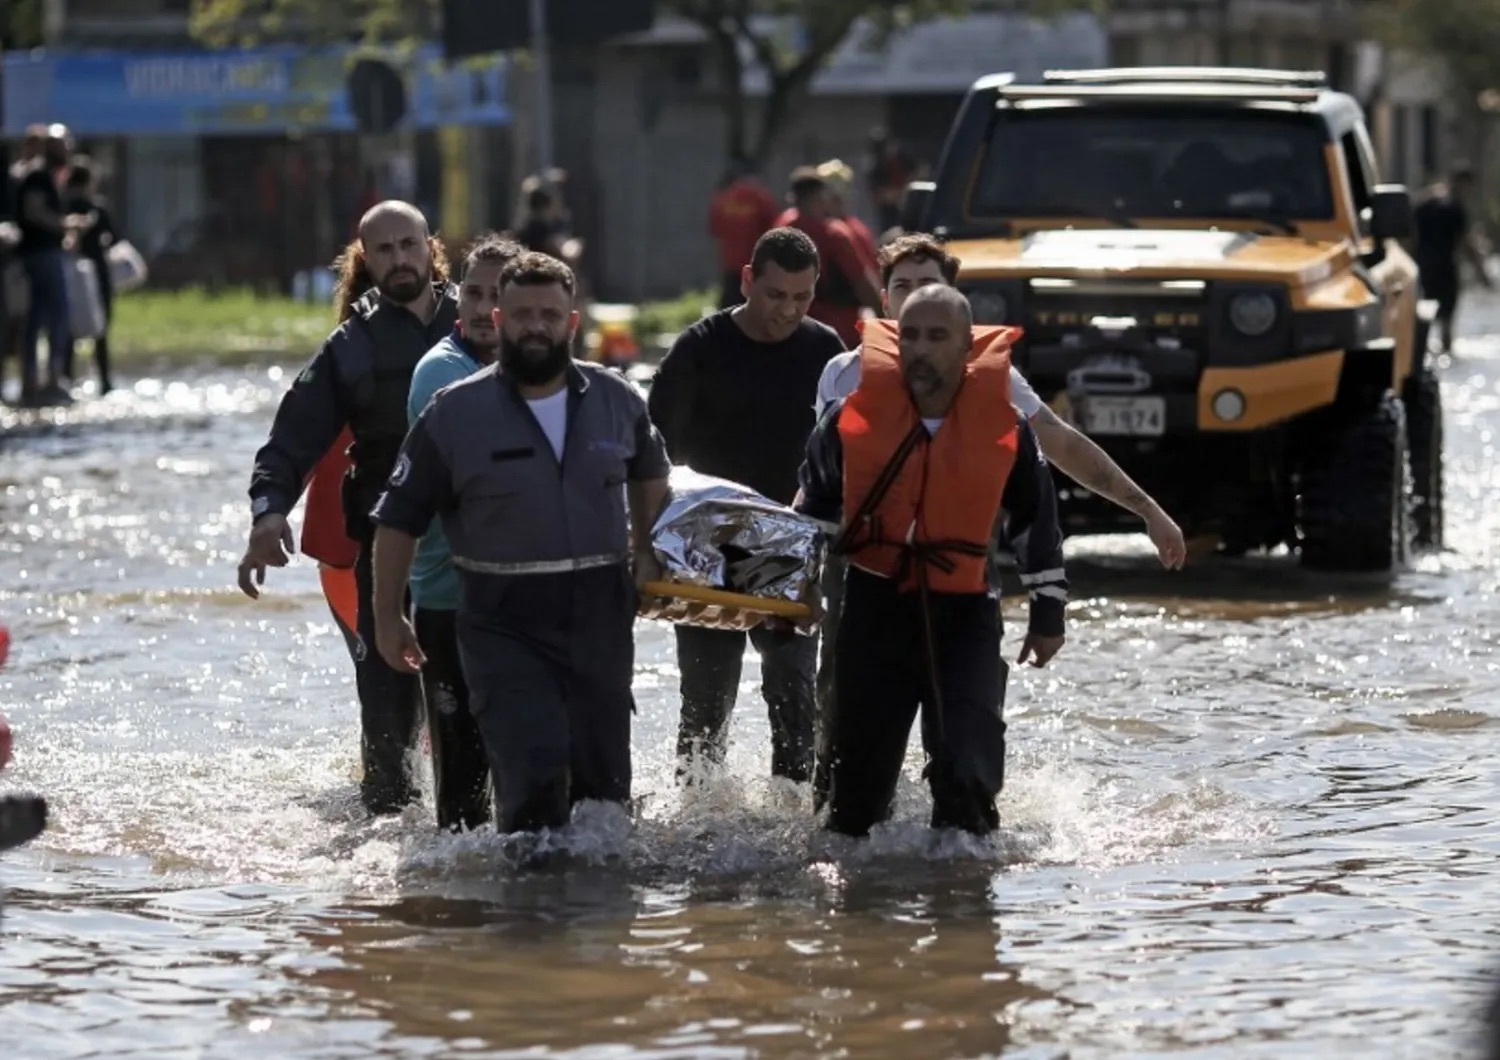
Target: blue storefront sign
(249, 91)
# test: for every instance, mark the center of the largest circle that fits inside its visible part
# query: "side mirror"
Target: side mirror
(914, 205)
(1391, 214)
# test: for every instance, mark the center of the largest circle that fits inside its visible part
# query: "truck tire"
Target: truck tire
(1424, 429)
(1353, 495)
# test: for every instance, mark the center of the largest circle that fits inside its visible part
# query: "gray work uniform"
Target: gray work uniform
(547, 612)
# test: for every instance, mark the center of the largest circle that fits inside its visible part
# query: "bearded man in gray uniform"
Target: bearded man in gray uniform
(531, 465)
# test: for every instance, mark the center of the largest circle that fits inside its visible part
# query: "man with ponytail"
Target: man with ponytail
(359, 379)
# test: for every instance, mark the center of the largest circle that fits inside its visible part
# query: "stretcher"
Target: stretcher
(697, 605)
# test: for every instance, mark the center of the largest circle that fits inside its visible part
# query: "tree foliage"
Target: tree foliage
(221, 23)
(1462, 36)
(756, 27)
(22, 23)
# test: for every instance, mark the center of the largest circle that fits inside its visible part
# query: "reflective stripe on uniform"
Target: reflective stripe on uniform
(553, 566)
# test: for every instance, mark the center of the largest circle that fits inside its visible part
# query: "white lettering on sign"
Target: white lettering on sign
(203, 76)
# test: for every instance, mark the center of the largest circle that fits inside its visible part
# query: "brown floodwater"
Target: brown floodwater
(1251, 812)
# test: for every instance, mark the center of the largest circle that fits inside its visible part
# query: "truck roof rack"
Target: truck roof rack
(1158, 91)
(1202, 75)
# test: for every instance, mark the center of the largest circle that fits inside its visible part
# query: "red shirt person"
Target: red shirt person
(840, 180)
(741, 211)
(848, 281)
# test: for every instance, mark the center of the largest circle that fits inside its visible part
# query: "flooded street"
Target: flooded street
(1249, 813)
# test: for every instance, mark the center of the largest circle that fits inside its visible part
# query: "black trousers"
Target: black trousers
(710, 662)
(882, 678)
(460, 770)
(549, 661)
(390, 708)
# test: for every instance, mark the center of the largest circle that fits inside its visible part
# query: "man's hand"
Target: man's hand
(270, 545)
(397, 643)
(1039, 649)
(1166, 535)
(647, 568)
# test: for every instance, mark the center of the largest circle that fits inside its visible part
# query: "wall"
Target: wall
(659, 153)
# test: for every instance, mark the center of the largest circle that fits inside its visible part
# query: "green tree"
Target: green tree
(805, 34)
(1463, 36)
(221, 23)
(21, 24)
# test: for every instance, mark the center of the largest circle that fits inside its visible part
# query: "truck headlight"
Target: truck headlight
(1252, 314)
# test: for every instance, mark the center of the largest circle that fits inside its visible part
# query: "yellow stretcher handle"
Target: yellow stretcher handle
(703, 595)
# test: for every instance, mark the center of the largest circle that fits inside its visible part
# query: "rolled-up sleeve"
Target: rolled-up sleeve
(821, 477)
(421, 483)
(1031, 526)
(650, 460)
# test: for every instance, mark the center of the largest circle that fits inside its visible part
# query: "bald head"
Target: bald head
(398, 255)
(936, 332)
(391, 210)
(944, 299)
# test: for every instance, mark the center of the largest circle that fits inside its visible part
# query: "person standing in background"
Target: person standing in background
(741, 211)
(891, 169)
(840, 180)
(44, 226)
(1444, 235)
(93, 242)
(847, 280)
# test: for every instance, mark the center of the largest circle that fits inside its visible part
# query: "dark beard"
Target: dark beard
(533, 367)
(403, 287)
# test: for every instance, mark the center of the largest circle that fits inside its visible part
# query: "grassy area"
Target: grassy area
(230, 327)
(659, 319)
(240, 327)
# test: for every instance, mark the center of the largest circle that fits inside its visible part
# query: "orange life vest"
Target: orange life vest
(938, 514)
(323, 535)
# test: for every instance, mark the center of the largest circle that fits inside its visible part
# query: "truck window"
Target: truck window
(1139, 162)
(1360, 161)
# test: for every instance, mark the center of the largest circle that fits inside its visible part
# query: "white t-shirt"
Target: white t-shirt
(552, 414)
(841, 378)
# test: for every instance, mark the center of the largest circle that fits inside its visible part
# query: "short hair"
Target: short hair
(490, 248)
(533, 269)
(786, 248)
(806, 181)
(538, 198)
(918, 246)
(80, 172)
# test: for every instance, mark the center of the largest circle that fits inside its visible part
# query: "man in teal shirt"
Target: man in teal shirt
(459, 768)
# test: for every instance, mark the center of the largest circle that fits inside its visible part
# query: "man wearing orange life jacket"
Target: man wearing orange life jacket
(919, 468)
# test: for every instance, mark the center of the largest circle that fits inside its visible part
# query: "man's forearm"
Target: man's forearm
(1089, 466)
(391, 565)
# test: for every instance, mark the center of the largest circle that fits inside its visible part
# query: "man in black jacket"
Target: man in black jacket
(360, 378)
(734, 398)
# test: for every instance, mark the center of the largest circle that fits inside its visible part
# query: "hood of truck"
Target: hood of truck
(1161, 254)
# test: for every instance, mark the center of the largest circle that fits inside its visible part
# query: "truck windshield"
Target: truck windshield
(1110, 162)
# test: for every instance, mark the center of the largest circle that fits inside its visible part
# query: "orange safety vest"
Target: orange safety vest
(941, 507)
(324, 537)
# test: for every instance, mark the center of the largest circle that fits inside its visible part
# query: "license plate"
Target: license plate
(1125, 415)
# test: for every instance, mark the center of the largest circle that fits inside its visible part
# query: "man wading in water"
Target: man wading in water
(360, 378)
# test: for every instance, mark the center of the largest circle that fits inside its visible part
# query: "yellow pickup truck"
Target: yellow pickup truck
(1211, 282)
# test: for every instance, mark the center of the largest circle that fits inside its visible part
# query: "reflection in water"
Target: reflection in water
(1249, 813)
